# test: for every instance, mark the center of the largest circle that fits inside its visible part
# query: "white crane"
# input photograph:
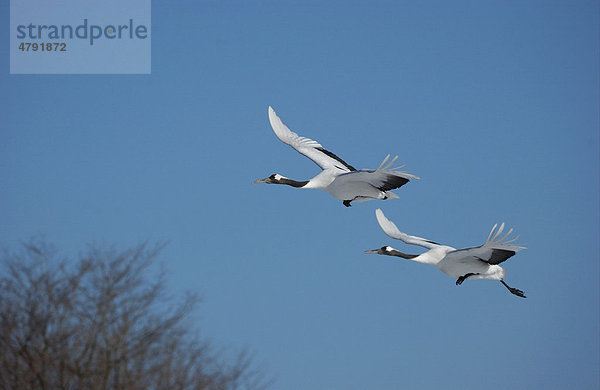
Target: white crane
(339, 179)
(470, 263)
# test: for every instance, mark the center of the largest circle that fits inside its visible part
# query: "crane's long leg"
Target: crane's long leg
(462, 278)
(515, 291)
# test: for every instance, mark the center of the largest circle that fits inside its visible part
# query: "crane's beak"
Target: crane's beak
(265, 180)
(372, 252)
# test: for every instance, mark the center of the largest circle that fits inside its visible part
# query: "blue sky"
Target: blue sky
(495, 105)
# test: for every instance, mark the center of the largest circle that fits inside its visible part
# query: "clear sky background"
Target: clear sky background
(494, 104)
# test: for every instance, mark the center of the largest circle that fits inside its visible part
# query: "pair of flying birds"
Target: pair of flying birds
(346, 183)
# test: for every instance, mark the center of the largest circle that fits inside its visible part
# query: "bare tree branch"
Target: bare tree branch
(101, 323)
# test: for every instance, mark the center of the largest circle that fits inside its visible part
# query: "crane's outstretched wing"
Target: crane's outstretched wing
(495, 250)
(306, 146)
(391, 230)
(385, 178)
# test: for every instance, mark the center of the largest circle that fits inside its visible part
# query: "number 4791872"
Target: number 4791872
(48, 46)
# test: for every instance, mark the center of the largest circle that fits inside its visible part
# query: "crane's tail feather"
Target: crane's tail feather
(384, 161)
(512, 240)
(492, 232)
(391, 195)
(496, 239)
(388, 166)
(504, 237)
(499, 232)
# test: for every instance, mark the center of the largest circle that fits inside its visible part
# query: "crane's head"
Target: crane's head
(384, 250)
(389, 251)
(273, 179)
(278, 179)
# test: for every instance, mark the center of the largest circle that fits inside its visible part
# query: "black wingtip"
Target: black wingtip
(500, 255)
(392, 182)
(333, 156)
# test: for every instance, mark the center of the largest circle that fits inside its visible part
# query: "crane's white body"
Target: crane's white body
(339, 179)
(455, 264)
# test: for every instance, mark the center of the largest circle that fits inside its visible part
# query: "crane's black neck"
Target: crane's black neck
(293, 183)
(394, 252)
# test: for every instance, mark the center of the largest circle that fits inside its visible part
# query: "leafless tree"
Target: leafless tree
(101, 323)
